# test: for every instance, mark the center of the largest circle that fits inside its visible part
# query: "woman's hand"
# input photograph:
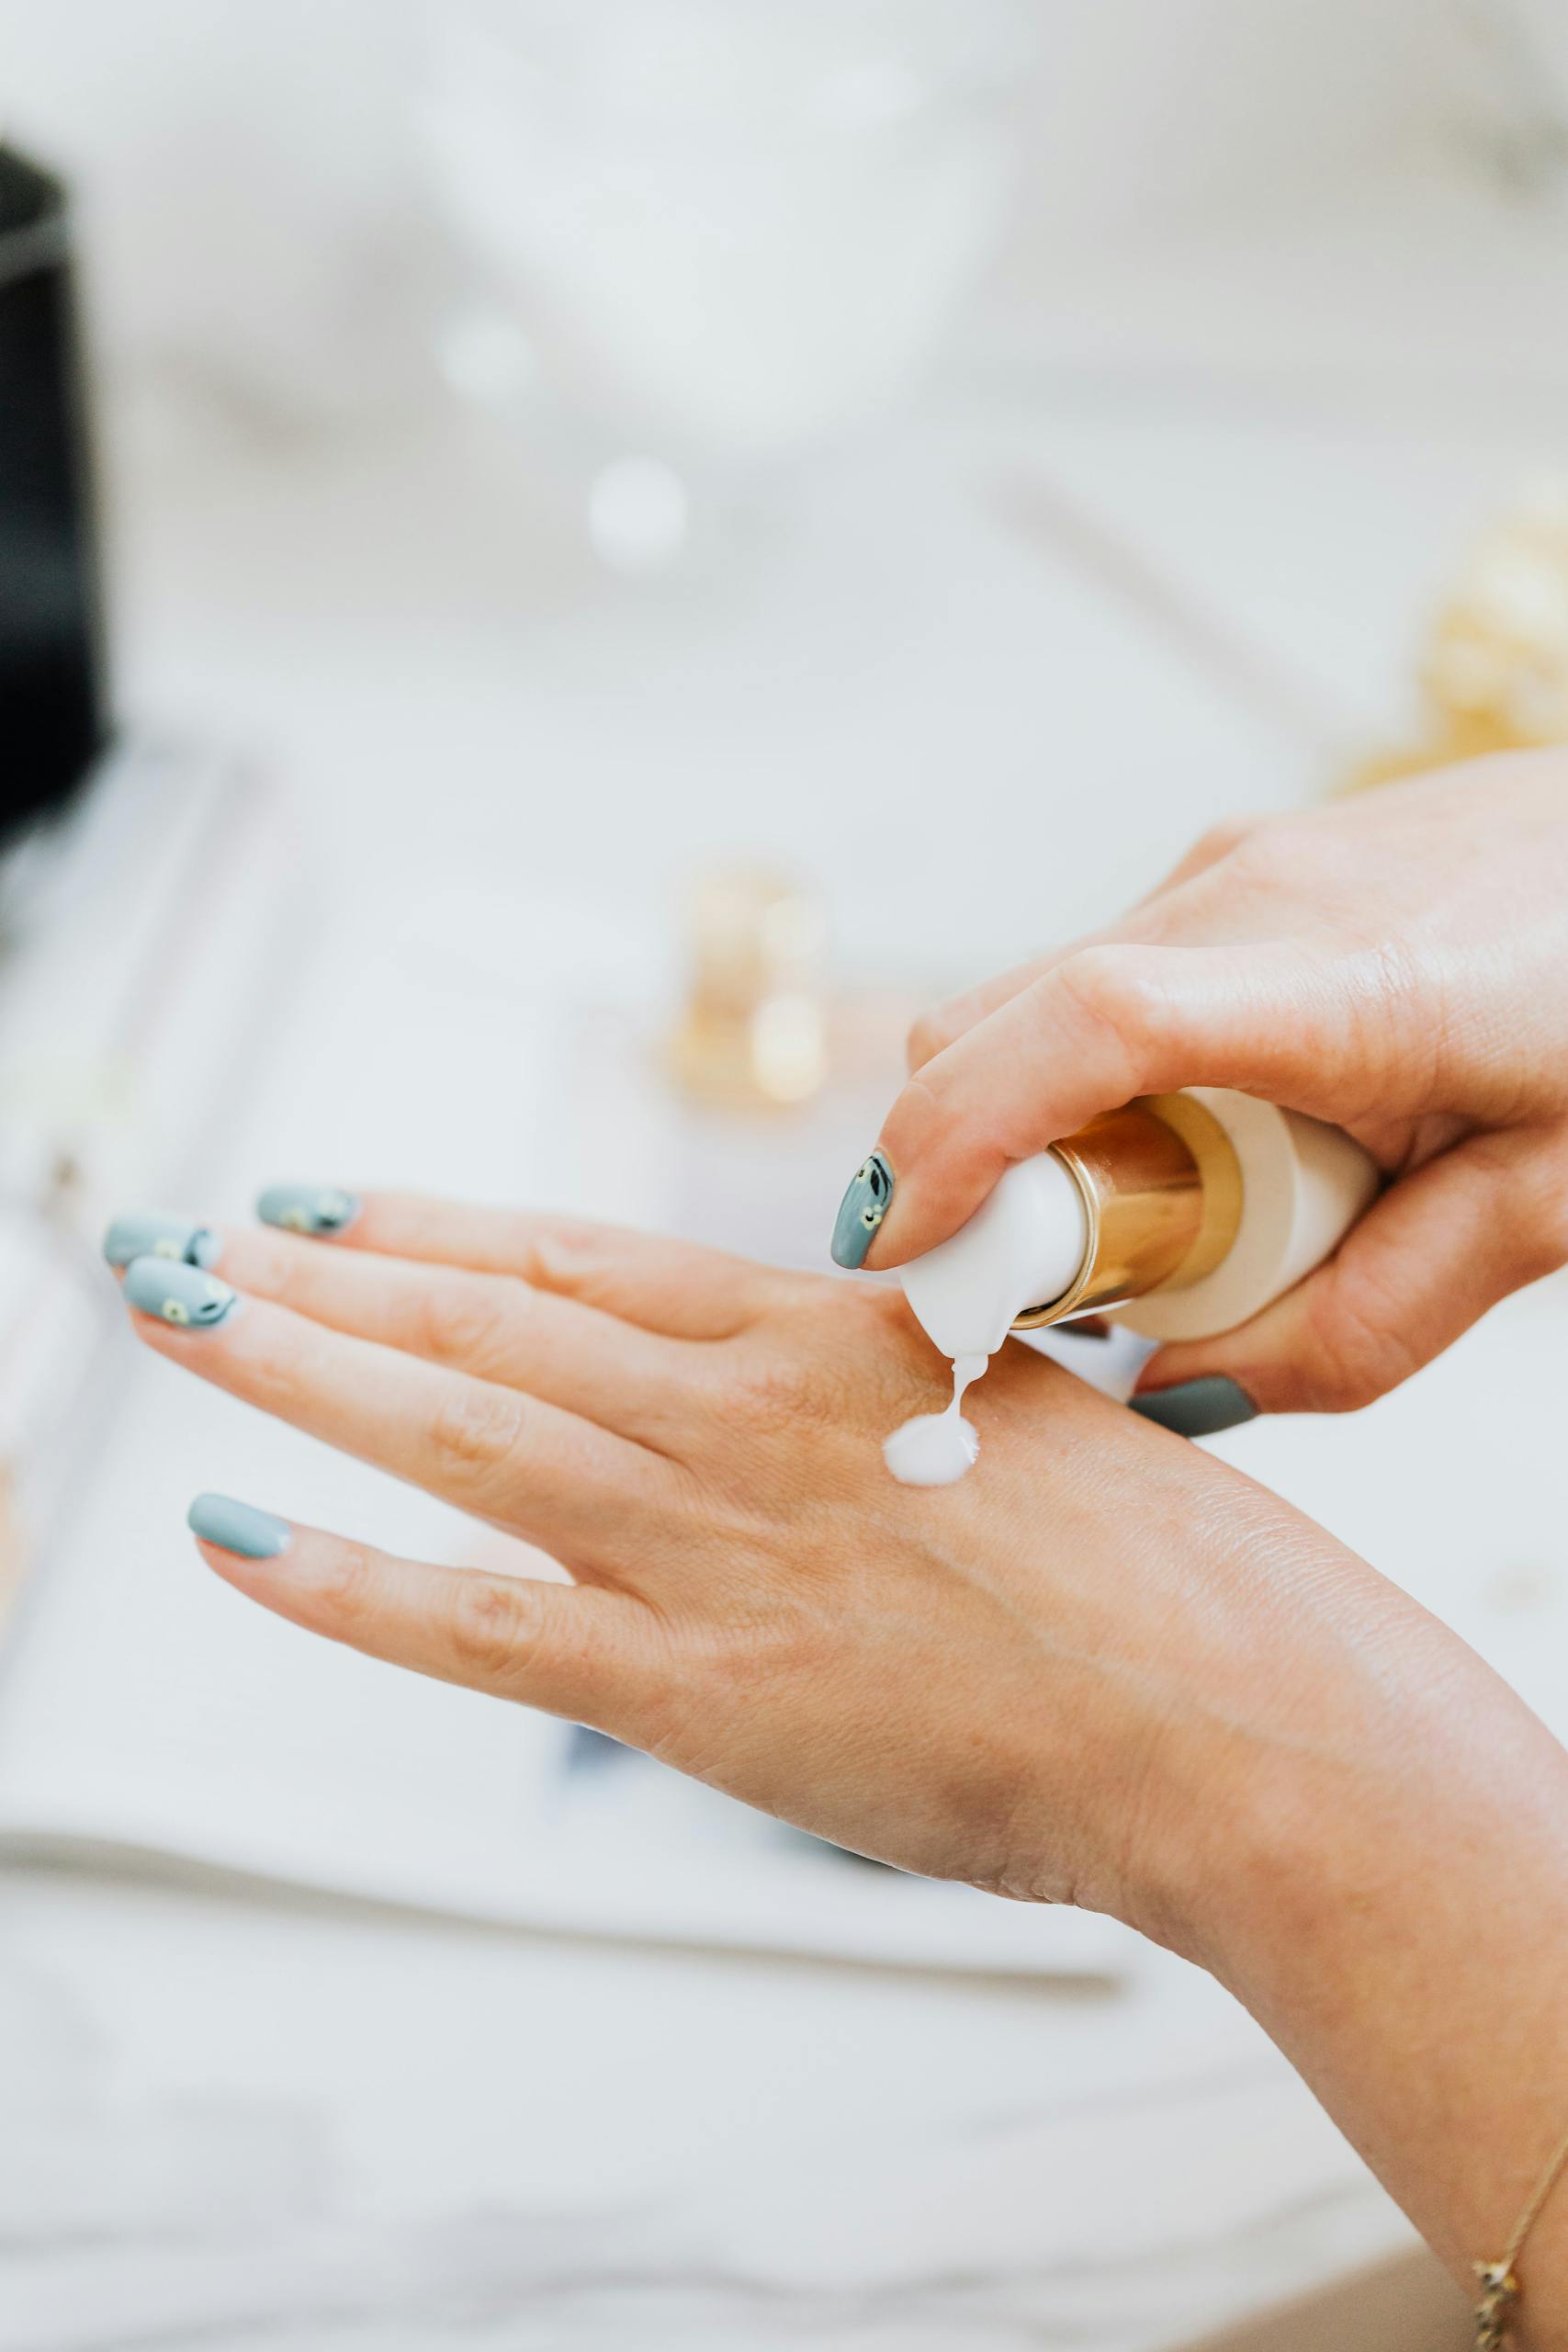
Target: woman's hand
(1396, 963)
(1012, 1681)
(1104, 1669)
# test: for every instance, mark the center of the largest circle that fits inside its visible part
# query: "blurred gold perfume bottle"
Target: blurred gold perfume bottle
(754, 1030)
(777, 1069)
(1494, 671)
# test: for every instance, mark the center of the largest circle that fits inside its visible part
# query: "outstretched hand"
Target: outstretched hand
(1104, 1669)
(1019, 1681)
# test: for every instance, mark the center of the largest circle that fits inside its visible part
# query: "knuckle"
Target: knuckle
(1537, 1256)
(457, 1320)
(1121, 990)
(788, 1395)
(770, 1393)
(493, 1627)
(1542, 1240)
(1113, 982)
(1541, 1248)
(350, 1589)
(1223, 837)
(1547, 1247)
(917, 1119)
(278, 1272)
(775, 1395)
(568, 1255)
(926, 1039)
(1359, 1350)
(1345, 1376)
(473, 1430)
(1266, 847)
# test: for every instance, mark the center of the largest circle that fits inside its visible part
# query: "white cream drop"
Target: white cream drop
(936, 1449)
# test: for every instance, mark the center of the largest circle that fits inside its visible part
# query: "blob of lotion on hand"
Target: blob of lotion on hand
(1182, 1215)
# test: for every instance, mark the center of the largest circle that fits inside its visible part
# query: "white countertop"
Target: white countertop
(275, 2121)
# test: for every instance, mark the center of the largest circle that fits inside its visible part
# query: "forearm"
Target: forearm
(1398, 1922)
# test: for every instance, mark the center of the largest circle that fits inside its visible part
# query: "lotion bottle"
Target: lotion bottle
(1180, 1215)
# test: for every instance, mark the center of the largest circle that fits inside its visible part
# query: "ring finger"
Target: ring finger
(495, 1326)
(586, 1496)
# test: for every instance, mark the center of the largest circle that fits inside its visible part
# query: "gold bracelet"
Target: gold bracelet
(1499, 2287)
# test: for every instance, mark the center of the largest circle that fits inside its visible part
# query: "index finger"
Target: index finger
(677, 1288)
(1107, 1023)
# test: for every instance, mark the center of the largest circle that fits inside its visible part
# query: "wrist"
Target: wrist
(1394, 1910)
(1407, 1819)
(1297, 1714)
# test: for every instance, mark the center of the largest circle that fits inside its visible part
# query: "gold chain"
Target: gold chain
(1499, 2287)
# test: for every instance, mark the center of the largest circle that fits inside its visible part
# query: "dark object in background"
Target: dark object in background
(52, 697)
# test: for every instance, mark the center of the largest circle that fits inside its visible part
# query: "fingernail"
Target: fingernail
(308, 1208)
(177, 1293)
(152, 1235)
(862, 1210)
(1198, 1407)
(238, 1527)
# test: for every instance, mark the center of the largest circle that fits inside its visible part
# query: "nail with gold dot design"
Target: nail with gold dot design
(178, 1294)
(308, 1208)
(150, 1233)
(862, 1210)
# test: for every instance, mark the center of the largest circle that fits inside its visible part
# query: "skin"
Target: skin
(1203, 1716)
(1396, 963)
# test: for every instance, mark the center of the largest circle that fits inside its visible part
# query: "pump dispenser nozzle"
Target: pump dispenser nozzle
(1025, 1243)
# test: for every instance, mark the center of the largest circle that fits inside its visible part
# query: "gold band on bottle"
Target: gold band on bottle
(1161, 1189)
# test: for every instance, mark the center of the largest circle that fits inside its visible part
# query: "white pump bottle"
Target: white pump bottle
(1181, 1216)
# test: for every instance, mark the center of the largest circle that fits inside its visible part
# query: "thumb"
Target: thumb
(1424, 1264)
(1088, 1033)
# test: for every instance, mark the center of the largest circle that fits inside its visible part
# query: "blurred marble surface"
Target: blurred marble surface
(233, 2120)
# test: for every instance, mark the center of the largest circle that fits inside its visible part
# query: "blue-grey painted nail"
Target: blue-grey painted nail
(1198, 1407)
(177, 1293)
(862, 1210)
(238, 1527)
(308, 1208)
(152, 1235)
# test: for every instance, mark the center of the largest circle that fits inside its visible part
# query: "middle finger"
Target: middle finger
(496, 1327)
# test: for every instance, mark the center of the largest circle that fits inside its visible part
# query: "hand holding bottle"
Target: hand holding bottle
(1395, 965)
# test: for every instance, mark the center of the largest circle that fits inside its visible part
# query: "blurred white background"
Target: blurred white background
(1221, 271)
(943, 454)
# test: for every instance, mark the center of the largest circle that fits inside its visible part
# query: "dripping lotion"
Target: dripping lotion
(1181, 1216)
(935, 1449)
